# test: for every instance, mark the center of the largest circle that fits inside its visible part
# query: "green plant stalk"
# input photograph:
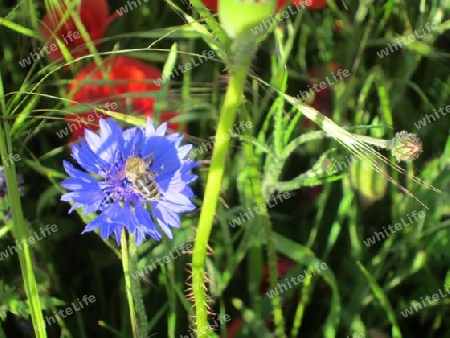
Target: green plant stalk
(384, 144)
(172, 298)
(210, 21)
(20, 231)
(258, 198)
(254, 193)
(273, 276)
(136, 290)
(133, 288)
(246, 193)
(233, 98)
(298, 318)
(127, 275)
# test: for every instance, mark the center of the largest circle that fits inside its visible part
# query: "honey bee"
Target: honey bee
(142, 180)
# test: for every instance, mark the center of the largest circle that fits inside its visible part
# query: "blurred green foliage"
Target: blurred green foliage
(365, 288)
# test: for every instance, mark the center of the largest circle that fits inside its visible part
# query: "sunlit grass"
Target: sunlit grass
(363, 289)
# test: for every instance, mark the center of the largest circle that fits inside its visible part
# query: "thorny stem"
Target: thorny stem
(233, 99)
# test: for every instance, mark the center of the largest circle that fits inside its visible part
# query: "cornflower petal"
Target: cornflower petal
(166, 218)
(144, 217)
(119, 201)
(87, 159)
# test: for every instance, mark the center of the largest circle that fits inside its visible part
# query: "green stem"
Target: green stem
(385, 144)
(127, 274)
(246, 189)
(253, 193)
(273, 277)
(20, 230)
(136, 290)
(233, 99)
(133, 288)
(258, 198)
(298, 317)
(210, 21)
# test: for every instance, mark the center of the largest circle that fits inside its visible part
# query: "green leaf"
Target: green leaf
(169, 66)
(312, 177)
(305, 256)
(383, 299)
(257, 144)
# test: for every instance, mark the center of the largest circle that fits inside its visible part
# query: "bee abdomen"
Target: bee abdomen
(147, 186)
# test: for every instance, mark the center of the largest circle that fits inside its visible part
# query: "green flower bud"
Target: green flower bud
(406, 146)
(370, 184)
(238, 17)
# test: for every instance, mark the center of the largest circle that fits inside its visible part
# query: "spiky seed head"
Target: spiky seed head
(406, 146)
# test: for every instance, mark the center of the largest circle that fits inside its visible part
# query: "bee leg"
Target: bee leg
(148, 159)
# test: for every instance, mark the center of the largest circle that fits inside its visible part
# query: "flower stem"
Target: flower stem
(264, 219)
(133, 288)
(384, 144)
(20, 230)
(233, 99)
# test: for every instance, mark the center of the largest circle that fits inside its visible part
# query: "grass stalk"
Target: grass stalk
(20, 231)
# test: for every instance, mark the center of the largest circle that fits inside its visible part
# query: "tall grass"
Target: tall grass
(327, 218)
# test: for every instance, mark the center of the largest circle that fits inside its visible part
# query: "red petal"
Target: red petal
(311, 4)
(126, 75)
(93, 15)
(234, 327)
(211, 4)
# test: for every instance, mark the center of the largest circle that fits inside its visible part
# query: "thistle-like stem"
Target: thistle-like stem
(20, 231)
(233, 99)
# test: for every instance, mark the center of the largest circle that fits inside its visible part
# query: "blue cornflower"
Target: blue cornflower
(108, 189)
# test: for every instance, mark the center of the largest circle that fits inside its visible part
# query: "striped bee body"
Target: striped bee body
(142, 180)
(146, 185)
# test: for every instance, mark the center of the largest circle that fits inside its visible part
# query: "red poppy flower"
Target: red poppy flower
(211, 4)
(93, 14)
(127, 75)
(311, 4)
(317, 4)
